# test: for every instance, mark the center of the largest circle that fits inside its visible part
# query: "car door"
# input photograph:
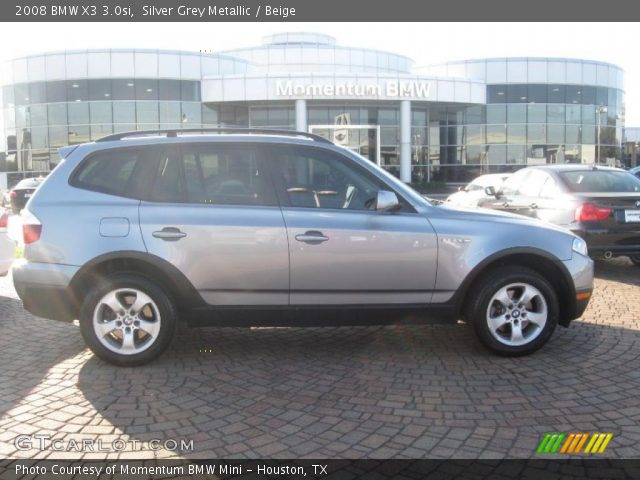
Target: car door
(341, 250)
(212, 212)
(506, 199)
(526, 200)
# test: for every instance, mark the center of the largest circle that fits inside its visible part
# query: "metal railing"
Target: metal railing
(233, 130)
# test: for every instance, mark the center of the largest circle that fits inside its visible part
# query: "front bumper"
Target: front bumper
(580, 269)
(44, 289)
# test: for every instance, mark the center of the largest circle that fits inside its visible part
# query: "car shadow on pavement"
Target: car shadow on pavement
(31, 350)
(619, 269)
(381, 392)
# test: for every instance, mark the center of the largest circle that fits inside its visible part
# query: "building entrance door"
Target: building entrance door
(362, 139)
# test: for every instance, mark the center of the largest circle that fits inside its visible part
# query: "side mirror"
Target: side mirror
(491, 192)
(387, 201)
(461, 188)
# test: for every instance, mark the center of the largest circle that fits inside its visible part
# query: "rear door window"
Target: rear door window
(532, 183)
(214, 174)
(511, 185)
(550, 189)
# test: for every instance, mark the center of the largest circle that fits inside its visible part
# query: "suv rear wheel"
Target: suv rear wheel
(127, 320)
(514, 310)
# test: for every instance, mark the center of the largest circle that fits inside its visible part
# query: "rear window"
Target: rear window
(600, 181)
(28, 183)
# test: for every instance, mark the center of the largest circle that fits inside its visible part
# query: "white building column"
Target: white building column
(405, 141)
(301, 115)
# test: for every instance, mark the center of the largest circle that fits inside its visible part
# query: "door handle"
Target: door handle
(169, 234)
(534, 205)
(312, 237)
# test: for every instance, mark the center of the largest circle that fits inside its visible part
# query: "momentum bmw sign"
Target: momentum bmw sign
(389, 88)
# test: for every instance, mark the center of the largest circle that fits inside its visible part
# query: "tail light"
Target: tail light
(588, 212)
(31, 227)
(13, 194)
(4, 219)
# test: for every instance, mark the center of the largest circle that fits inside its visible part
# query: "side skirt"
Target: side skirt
(320, 316)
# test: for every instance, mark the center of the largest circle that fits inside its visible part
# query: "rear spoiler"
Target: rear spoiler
(66, 151)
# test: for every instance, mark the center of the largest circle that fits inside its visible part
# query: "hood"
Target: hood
(469, 214)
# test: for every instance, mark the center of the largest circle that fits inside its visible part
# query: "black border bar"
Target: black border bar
(322, 11)
(534, 469)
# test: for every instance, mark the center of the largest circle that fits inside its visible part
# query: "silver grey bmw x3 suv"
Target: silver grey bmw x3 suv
(135, 231)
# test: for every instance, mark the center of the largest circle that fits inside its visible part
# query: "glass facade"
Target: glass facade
(452, 143)
(523, 125)
(41, 117)
(481, 116)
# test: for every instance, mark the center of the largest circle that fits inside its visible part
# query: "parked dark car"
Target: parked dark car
(22, 192)
(600, 204)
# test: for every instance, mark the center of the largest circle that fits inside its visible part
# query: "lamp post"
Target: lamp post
(601, 109)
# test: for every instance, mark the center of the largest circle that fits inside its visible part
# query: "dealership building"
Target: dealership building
(445, 123)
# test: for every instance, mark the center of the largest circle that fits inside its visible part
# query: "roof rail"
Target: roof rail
(233, 130)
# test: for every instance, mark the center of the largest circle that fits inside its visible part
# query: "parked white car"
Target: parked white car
(473, 194)
(7, 245)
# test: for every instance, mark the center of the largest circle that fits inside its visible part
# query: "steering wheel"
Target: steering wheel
(351, 193)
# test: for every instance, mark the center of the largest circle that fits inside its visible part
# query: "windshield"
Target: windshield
(600, 181)
(486, 181)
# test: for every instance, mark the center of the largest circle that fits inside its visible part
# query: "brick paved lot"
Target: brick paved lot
(377, 392)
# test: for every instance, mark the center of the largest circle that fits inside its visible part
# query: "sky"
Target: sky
(426, 43)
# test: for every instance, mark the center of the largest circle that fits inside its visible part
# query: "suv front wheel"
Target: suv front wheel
(514, 310)
(127, 320)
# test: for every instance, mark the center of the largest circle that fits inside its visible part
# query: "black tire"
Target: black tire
(635, 259)
(165, 307)
(483, 290)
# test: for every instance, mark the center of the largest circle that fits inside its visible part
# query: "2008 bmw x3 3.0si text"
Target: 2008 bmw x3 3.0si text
(134, 232)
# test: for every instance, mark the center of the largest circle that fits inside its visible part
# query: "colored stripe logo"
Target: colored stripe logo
(573, 443)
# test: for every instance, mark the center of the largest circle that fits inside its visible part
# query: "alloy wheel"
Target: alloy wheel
(126, 321)
(517, 314)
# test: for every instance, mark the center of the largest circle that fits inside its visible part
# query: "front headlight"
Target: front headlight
(580, 246)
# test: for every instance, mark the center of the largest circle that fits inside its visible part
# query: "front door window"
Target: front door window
(362, 139)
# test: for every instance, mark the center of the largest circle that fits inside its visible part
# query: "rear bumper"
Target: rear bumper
(615, 250)
(618, 242)
(44, 289)
(7, 253)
